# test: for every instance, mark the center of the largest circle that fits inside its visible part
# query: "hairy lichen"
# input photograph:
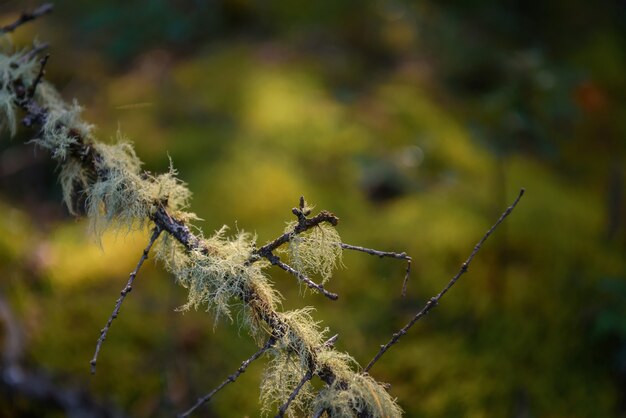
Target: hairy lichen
(316, 251)
(116, 198)
(218, 272)
(61, 130)
(13, 67)
(291, 356)
(218, 277)
(363, 396)
(123, 195)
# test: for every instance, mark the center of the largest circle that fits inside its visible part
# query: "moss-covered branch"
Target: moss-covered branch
(222, 272)
(106, 183)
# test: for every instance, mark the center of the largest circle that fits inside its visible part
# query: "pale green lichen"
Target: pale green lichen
(123, 195)
(291, 356)
(282, 375)
(62, 129)
(218, 276)
(363, 396)
(115, 198)
(316, 251)
(7, 112)
(342, 364)
(303, 333)
(13, 67)
(218, 272)
(74, 181)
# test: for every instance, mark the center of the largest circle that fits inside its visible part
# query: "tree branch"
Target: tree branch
(39, 387)
(319, 413)
(432, 302)
(323, 216)
(244, 365)
(95, 165)
(27, 17)
(275, 260)
(330, 343)
(33, 52)
(42, 71)
(129, 286)
(381, 254)
(283, 408)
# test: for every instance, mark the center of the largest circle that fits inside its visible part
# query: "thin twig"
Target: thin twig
(27, 17)
(377, 253)
(381, 254)
(275, 260)
(32, 53)
(244, 365)
(432, 302)
(303, 225)
(129, 286)
(407, 274)
(13, 344)
(330, 343)
(95, 164)
(283, 408)
(319, 413)
(42, 71)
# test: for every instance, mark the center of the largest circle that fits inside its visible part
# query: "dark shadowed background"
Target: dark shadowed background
(415, 122)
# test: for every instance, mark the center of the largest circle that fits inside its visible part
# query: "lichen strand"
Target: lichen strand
(123, 195)
(218, 275)
(316, 251)
(13, 67)
(62, 128)
(290, 361)
(217, 272)
(7, 112)
(363, 397)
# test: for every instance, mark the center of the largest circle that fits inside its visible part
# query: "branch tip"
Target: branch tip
(27, 17)
(156, 231)
(434, 301)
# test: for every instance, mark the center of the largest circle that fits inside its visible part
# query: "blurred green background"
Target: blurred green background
(415, 122)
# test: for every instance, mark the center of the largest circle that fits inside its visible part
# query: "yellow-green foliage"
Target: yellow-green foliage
(315, 251)
(364, 396)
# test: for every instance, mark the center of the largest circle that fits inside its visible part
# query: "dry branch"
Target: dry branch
(432, 302)
(118, 304)
(27, 17)
(230, 379)
(98, 166)
(381, 254)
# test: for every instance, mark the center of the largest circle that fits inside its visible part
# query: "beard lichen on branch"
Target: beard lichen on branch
(316, 251)
(106, 182)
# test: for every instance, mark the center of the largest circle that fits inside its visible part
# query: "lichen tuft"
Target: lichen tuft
(13, 66)
(316, 251)
(362, 397)
(291, 359)
(218, 276)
